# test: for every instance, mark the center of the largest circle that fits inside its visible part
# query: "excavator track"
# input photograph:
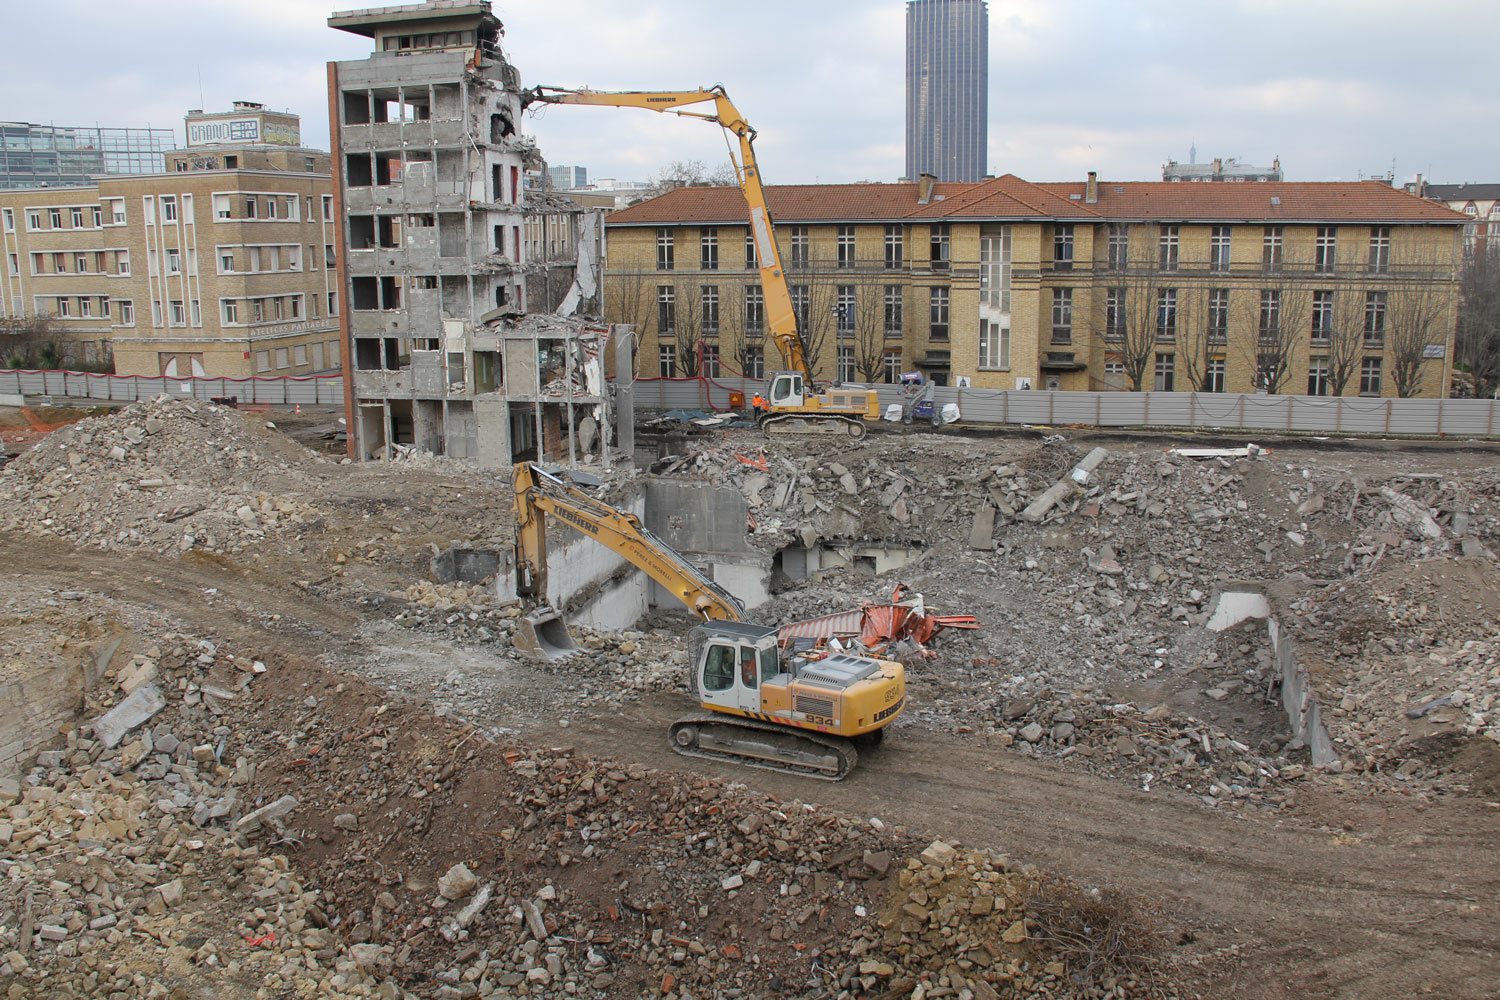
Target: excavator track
(809, 424)
(765, 745)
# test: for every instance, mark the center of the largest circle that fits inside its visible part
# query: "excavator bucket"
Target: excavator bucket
(543, 634)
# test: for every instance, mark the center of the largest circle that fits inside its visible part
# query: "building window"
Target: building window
(1119, 246)
(845, 364)
(197, 312)
(15, 263)
(708, 248)
(262, 361)
(994, 344)
(258, 310)
(85, 306)
(333, 303)
(994, 269)
(81, 263)
(33, 221)
(711, 360)
(77, 218)
(98, 214)
(844, 307)
(1380, 249)
(938, 313)
(54, 216)
(1270, 249)
(283, 358)
(174, 261)
(179, 316)
(752, 258)
(1166, 249)
(226, 261)
(64, 306)
(1327, 251)
(1270, 314)
(941, 246)
(1375, 303)
(755, 362)
(118, 213)
(271, 212)
(230, 310)
(1062, 248)
(1218, 254)
(1165, 364)
(1369, 377)
(1317, 377)
(1062, 315)
(893, 250)
(1166, 315)
(1213, 375)
(1114, 372)
(1114, 314)
(755, 310)
(60, 263)
(1218, 316)
(890, 367)
(799, 247)
(846, 246)
(169, 208)
(122, 262)
(709, 296)
(8, 219)
(666, 310)
(800, 302)
(666, 361)
(327, 208)
(127, 312)
(1322, 317)
(894, 321)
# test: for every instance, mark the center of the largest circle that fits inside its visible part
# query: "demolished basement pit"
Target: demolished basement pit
(1093, 709)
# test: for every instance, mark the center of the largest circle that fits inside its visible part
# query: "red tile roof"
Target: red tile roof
(1010, 197)
(1260, 201)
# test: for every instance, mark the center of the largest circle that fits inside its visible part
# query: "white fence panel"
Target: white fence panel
(327, 390)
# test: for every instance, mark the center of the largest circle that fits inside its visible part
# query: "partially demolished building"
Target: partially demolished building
(444, 255)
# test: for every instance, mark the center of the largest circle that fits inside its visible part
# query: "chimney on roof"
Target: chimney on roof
(1218, 164)
(1420, 188)
(925, 184)
(1091, 190)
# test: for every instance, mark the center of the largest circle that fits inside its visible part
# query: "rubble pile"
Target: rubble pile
(165, 474)
(129, 857)
(960, 923)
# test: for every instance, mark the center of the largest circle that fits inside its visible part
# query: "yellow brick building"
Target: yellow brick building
(206, 270)
(1320, 288)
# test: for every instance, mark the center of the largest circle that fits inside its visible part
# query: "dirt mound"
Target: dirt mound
(164, 474)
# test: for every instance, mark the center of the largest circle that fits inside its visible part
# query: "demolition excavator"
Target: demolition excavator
(798, 403)
(762, 703)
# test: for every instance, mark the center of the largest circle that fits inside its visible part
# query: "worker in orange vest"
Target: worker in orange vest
(757, 406)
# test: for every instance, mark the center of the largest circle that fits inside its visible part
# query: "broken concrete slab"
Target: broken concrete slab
(138, 707)
(981, 535)
(266, 814)
(1410, 514)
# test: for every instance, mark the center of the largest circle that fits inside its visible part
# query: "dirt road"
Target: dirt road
(1342, 895)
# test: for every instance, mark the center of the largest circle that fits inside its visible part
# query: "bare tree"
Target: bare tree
(1479, 320)
(869, 331)
(1128, 323)
(1414, 320)
(23, 339)
(1345, 339)
(690, 173)
(630, 298)
(1278, 317)
(687, 330)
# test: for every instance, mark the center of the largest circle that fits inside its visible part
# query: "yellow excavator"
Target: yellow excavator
(762, 704)
(798, 403)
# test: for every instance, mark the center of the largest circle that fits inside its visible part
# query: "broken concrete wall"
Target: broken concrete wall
(1303, 713)
(706, 524)
(590, 583)
(39, 698)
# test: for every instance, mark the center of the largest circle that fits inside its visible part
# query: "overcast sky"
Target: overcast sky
(1336, 88)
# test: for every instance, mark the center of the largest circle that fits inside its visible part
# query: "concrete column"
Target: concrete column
(624, 338)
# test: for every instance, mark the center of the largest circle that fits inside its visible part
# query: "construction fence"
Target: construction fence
(1201, 410)
(326, 390)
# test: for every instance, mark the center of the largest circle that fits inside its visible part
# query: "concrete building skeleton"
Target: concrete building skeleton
(443, 251)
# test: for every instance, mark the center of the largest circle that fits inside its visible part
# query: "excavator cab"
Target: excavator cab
(730, 662)
(787, 389)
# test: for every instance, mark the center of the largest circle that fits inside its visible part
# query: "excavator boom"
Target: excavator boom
(781, 318)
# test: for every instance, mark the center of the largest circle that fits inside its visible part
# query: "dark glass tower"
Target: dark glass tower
(947, 88)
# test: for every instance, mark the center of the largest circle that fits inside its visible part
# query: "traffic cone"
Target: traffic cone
(298, 410)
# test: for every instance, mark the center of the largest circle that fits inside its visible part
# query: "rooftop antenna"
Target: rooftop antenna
(200, 88)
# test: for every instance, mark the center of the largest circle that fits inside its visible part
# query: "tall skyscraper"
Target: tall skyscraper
(947, 88)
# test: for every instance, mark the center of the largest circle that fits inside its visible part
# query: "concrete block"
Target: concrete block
(140, 706)
(981, 535)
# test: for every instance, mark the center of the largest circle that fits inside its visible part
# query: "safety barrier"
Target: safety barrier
(311, 390)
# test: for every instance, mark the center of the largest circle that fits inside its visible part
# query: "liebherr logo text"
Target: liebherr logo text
(888, 712)
(578, 522)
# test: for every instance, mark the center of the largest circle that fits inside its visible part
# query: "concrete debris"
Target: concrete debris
(136, 709)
